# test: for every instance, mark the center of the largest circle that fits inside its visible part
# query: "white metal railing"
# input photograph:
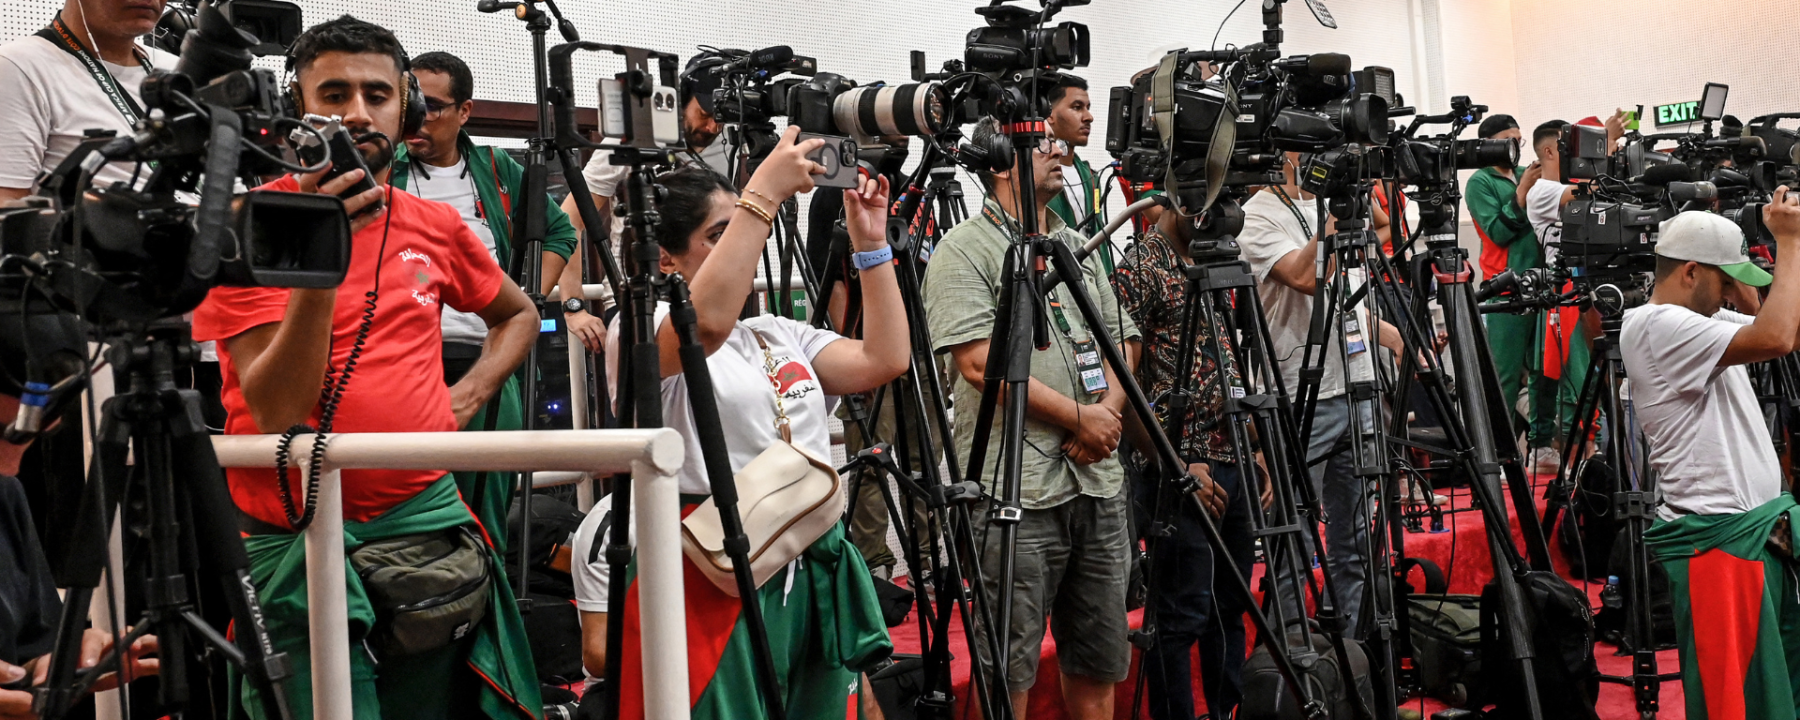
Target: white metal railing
(651, 456)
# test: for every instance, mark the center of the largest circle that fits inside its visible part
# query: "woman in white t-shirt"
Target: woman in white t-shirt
(823, 619)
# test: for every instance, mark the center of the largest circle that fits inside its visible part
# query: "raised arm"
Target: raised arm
(1773, 334)
(855, 365)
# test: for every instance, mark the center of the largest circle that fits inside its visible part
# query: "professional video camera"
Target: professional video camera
(136, 254)
(1306, 103)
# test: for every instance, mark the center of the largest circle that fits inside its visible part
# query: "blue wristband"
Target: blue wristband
(866, 260)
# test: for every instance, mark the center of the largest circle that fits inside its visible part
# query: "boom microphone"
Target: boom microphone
(1316, 64)
(1660, 175)
(766, 58)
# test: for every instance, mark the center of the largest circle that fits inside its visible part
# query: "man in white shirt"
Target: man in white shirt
(1280, 240)
(81, 72)
(1562, 359)
(1722, 530)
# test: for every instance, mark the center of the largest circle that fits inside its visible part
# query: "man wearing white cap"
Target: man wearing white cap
(1722, 530)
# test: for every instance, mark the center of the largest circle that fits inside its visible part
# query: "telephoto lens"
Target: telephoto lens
(878, 111)
(1475, 154)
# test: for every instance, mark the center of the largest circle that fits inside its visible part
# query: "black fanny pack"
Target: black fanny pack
(428, 590)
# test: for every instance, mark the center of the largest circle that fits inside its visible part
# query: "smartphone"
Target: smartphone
(341, 148)
(838, 155)
(615, 114)
(1631, 118)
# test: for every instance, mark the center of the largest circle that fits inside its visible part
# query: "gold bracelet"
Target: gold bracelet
(757, 211)
(758, 193)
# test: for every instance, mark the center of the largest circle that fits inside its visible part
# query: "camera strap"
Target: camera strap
(59, 35)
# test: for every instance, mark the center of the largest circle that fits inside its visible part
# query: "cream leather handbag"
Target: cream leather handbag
(787, 498)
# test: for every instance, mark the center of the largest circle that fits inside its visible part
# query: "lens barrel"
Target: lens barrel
(909, 109)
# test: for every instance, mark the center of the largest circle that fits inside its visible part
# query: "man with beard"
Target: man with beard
(373, 343)
(1073, 549)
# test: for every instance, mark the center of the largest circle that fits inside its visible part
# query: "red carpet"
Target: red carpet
(1462, 553)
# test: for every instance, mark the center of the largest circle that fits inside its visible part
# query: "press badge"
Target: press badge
(1353, 338)
(1087, 362)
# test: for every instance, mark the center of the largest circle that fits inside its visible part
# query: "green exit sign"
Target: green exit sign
(1678, 113)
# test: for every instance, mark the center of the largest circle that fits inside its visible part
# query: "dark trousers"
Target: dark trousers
(1190, 607)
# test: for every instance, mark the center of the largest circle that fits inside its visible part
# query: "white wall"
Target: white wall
(1576, 58)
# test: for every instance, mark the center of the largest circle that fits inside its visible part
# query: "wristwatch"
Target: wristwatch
(873, 258)
(574, 305)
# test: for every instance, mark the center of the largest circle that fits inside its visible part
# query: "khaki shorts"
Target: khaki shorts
(1071, 565)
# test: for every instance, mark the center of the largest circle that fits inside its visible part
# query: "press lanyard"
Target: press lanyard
(58, 34)
(1056, 311)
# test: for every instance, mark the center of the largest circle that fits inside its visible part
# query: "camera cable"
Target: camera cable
(331, 395)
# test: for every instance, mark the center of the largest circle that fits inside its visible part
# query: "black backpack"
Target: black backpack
(1568, 680)
(553, 526)
(1611, 623)
(1266, 695)
(1588, 525)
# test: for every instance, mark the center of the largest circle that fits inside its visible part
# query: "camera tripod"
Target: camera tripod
(1474, 421)
(1634, 502)
(1020, 325)
(1218, 278)
(639, 364)
(932, 199)
(191, 534)
(525, 266)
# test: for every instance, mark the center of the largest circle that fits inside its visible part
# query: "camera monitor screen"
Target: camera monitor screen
(1712, 101)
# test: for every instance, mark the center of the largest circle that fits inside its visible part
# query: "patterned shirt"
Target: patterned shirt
(1153, 291)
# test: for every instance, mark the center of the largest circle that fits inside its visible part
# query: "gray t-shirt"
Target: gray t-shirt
(1709, 445)
(1271, 231)
(962, 289)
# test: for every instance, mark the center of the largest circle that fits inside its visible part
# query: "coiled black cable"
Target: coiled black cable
(330, 396)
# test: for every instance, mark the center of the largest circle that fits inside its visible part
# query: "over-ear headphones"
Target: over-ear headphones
(987, 154)
(412, 101)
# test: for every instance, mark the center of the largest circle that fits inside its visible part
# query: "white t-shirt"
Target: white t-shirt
(1709, 445)
(1075, 192)
(453, 186)
(47, 100)
(746, 399)
(592, 579)
(1543, 207)
(1271, 231)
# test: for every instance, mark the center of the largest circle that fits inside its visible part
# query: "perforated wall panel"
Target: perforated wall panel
(862, 39)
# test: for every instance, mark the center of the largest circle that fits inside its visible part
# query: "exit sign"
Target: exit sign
(1678, 113)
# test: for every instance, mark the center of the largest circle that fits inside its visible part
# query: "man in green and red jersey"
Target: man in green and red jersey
(1507, 243)
(410, 258)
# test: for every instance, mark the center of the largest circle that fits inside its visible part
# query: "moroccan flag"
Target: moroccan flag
(1737, 619)
(825, 629)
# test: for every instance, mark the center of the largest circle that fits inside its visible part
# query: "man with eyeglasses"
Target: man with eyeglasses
(442, 163)
(1073, 548)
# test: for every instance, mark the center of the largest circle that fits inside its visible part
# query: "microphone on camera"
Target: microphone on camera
(766, 58)
(1316, 64)
(1664, 174)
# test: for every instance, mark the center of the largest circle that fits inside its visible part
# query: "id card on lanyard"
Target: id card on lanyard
(59, 35)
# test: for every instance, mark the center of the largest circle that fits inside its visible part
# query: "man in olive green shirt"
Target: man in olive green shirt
(1073, 549)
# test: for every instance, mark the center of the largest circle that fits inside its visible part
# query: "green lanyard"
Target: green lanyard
(1056, 311)
(59, 35)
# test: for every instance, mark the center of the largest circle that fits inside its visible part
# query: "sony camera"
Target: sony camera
(1014, 40)
(1306, 103)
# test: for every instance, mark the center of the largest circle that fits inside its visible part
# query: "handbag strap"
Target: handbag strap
(781, 418)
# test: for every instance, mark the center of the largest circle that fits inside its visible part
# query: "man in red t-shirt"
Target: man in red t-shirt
(410, 258)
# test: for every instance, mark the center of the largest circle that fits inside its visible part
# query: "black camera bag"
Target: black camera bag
(1562, 637)
(1266, 695)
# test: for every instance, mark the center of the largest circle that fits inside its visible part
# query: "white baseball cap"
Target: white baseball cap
(1710, 239)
